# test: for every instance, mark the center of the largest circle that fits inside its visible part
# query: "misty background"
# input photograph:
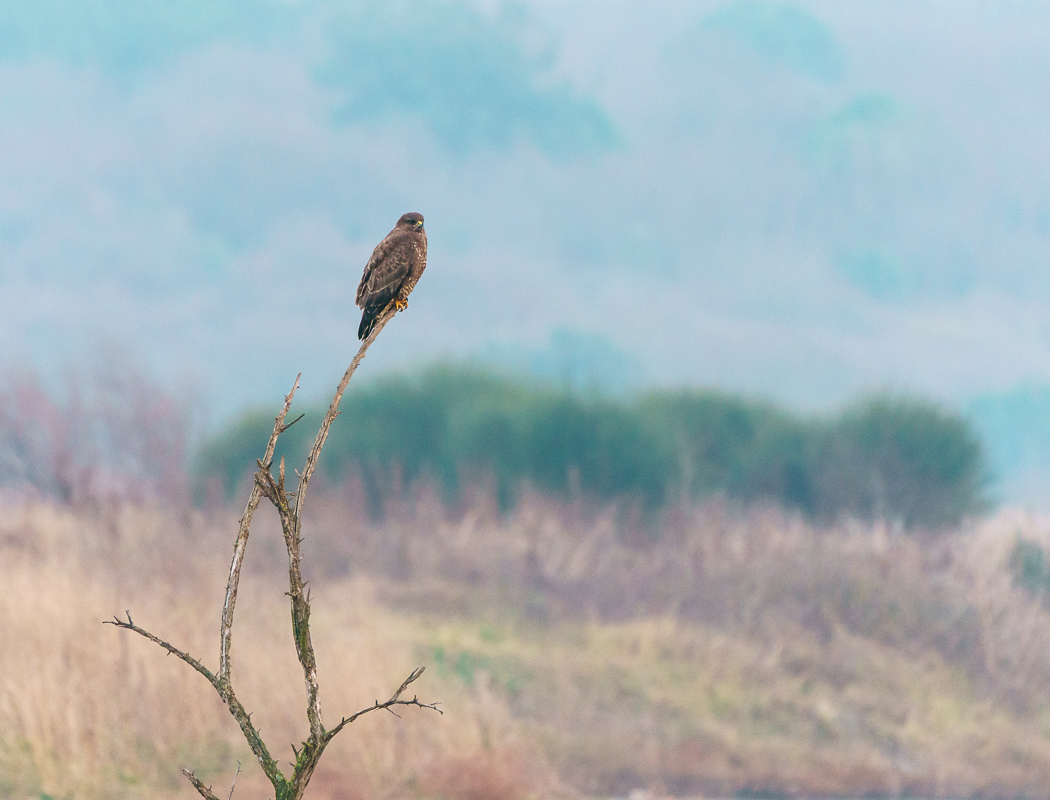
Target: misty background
(797, 201)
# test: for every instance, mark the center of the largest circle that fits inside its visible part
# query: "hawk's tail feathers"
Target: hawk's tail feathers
(368, 321)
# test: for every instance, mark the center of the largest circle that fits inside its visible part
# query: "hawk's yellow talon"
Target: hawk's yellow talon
(400, 305)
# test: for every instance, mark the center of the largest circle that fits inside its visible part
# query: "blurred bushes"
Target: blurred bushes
(890, 458)
(1029, 568)
(106, 431)
(900, 459)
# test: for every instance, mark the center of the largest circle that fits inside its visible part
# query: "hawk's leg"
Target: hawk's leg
(400, 305)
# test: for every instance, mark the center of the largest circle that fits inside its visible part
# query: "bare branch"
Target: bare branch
(198, 784)
(265, 485)
(274, 492)
(225, 690)
(234, 784)
(290, 424)
(333, 409)
(221, 681)
(226, 627)
(255, 742)
(395, 700)
(291, 523)
(172, 650)
(410, 679)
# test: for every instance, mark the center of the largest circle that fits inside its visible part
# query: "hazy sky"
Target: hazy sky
(803, 200)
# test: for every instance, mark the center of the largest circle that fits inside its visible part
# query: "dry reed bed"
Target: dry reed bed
(736, 651)
(88, 712)
(854, 660)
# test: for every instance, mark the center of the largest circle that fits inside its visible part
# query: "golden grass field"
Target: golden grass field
(572, 652)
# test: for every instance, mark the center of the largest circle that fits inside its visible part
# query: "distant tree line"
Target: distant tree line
(883, 457)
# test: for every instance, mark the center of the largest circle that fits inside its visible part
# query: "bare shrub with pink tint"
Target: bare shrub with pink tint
(106, 432)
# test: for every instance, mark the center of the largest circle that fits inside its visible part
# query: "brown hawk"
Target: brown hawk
(392, 271)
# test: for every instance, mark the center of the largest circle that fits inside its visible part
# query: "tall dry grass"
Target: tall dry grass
(88, 712)
(574, 649)
(775, 656)
(746, 572)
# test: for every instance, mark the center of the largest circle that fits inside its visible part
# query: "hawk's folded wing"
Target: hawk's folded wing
(385, 272)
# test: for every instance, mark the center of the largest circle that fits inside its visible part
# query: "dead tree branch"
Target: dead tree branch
(233, 785)
(395, 700)
(290, 515)
(172, 650)
(198, 784)
(226, 627)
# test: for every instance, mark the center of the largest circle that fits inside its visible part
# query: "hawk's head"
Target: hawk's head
(411, 221)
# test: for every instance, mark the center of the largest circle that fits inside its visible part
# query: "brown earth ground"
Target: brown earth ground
(575, 652)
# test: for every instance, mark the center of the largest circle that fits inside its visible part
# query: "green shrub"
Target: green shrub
(900, 459)
(892, 458)
(719, 443)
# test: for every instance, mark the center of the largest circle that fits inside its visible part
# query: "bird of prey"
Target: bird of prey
(392, 271)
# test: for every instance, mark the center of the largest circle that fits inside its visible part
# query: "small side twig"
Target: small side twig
(198, 784)
(172, 649)
(234, 784)
(395, 700)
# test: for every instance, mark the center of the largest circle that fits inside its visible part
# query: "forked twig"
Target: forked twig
(395, 700)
